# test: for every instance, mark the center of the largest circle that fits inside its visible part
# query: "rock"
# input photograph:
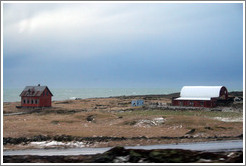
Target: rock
(110, 155)
(216, 109)
(208, 128)
(90, 118)
(121, 159)
(238, 99)
(240, 136)
(135, 156)
(191, 131)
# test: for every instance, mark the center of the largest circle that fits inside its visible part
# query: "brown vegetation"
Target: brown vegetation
(114, 117)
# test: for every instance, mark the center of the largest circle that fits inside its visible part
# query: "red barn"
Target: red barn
(200, 96)
(36, 96)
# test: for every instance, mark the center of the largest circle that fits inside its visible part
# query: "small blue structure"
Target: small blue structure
(136, 103)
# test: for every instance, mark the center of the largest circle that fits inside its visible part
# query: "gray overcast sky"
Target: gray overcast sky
(151, 45)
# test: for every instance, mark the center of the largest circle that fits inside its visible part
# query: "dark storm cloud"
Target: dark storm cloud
(123, 45)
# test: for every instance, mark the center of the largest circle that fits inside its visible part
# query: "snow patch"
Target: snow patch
(240, 119)
(148, 123)
(55, 144)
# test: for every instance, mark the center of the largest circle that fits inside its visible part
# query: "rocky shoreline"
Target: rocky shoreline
(122, 155)
(91, 141)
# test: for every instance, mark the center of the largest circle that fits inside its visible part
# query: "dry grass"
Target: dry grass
(108, 120)
(108, 124)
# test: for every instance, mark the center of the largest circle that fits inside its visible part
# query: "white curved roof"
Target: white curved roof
(199, 92)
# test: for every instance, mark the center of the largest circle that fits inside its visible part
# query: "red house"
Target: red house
(36, 96)
(200, 96)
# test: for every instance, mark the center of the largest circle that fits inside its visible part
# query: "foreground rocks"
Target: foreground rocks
(122, 155)
(67, 138)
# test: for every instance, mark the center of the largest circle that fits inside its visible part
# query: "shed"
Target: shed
(201, 96)
(137, 103)
(36, 96)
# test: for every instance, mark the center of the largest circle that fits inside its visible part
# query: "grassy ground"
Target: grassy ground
(114, 117)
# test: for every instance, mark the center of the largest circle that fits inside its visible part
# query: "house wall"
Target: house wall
(30, 101)
(45, 99)
(37, 101)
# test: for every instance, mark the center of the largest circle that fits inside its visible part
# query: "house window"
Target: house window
(24, 101)
(27, 101)
(36, 101)
(43, 93)
(47, 93)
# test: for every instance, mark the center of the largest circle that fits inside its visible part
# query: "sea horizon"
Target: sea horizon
(59, 94)
(12, 94)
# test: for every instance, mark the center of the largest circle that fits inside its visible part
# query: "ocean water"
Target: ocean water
(12, 95)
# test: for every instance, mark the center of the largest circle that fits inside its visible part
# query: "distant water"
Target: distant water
(12, 95)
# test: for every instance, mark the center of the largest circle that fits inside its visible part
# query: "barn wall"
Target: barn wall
(223, 93)
(194, 103)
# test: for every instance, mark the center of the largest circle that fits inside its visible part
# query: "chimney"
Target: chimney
(38, 84)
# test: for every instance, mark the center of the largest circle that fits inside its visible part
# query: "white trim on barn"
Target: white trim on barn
(192, 98)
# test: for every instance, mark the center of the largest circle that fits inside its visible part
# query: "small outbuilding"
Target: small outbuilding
(136, 103)
(200, 96)
(36, 96)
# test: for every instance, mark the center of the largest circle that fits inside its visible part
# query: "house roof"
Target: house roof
(34, 91)
(199, 92)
